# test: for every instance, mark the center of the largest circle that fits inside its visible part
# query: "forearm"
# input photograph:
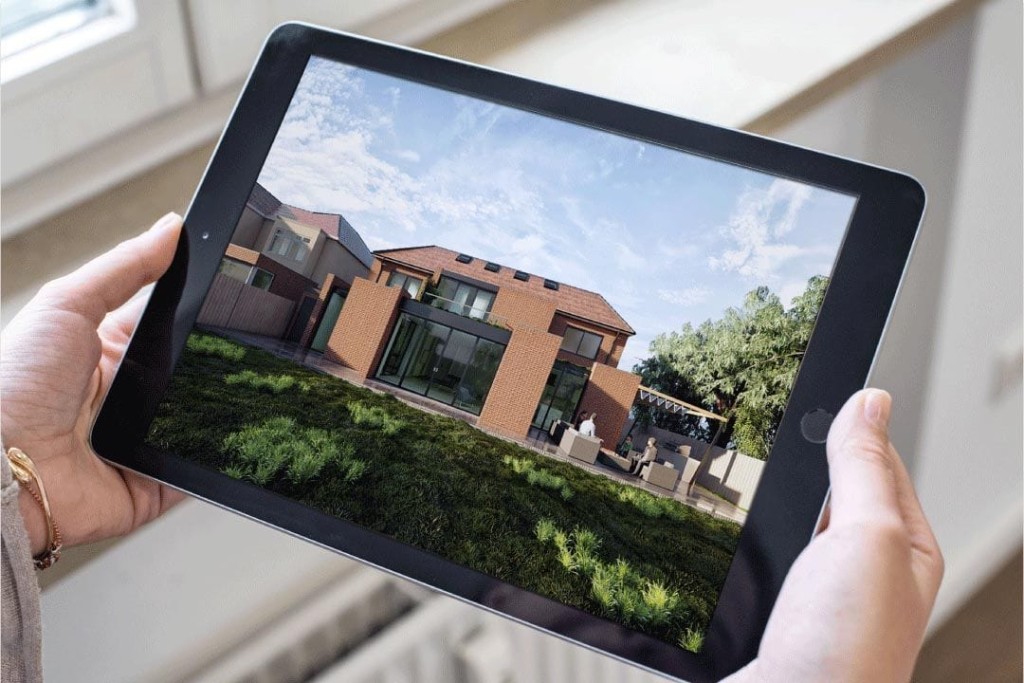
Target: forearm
(21, 628)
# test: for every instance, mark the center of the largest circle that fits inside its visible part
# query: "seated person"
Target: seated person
(626, 446)
(649, 455)
(587, 427)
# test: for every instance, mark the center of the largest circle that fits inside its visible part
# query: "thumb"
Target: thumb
(862, 462)
(108, 281)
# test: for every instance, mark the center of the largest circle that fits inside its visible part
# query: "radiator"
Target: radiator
(373, 628)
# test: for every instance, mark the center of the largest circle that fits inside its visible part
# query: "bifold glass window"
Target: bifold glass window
(410, 284)
(582, 343)
(289, 245)
(245, 273)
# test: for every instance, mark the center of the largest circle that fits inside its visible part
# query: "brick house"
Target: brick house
(514, 348)
(307, 257)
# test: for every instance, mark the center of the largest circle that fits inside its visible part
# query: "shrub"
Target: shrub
(374, 416)
(210, 345)
(545, 530)
(692, 640)
(537, 476)
(620, 590)
(274, 384)
(648, 504)
(518, 465)
(278, 445)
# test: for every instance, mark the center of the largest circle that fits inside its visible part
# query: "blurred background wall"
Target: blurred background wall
(109, 113)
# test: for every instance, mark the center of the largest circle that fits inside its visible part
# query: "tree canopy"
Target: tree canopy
(741, 366)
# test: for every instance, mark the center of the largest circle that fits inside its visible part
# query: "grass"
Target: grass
(280, 448)
(273, 384)
(448, 488)
(537, 476)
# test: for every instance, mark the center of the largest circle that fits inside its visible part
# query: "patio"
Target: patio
(537, 441)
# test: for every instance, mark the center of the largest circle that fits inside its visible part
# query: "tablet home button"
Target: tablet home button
(814, 425)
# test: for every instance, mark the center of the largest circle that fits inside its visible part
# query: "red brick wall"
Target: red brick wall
(364, 326)
(518, 310)
(519, 382)
(382, 271)
(609, 393)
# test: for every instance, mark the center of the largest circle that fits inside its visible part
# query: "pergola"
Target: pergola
(675, 406)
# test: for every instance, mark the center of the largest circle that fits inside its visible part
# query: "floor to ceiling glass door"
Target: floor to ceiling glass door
(442, 363)
(561, 395)
(328, 321)
(424, 357)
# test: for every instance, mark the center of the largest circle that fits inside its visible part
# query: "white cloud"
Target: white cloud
(408, 155)
(759, 221)
(628, 259)
(688, 296)
(790, 291)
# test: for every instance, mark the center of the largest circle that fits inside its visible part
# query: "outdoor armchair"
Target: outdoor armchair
(581, 447)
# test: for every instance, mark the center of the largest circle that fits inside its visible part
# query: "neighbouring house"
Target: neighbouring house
(308, 258)
(516, 349)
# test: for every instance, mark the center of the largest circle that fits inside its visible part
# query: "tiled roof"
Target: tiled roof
(574, 301)
(262, 202)
(331, 224)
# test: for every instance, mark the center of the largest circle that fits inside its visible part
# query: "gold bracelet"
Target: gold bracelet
(25, 472)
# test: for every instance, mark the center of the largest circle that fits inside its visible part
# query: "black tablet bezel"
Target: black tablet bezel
(785, 510)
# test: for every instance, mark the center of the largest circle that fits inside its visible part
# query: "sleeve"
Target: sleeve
(21, 628)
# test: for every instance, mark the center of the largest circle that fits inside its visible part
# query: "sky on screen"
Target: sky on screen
(666, 237)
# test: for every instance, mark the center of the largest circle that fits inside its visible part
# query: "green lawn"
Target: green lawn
(444, 486)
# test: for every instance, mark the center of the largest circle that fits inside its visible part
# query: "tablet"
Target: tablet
(565, 358)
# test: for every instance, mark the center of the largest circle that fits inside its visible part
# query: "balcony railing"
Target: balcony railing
(464, 310)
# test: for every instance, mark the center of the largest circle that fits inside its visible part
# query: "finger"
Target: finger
(922, 538)
(109, 280)
(120, 324)
(861, 462)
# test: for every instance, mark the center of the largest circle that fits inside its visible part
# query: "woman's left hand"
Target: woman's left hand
(57, 360)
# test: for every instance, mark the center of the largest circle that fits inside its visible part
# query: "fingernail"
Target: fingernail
(877, 406)
(166, 221)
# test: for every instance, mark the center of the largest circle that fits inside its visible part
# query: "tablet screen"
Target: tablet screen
(536, 349)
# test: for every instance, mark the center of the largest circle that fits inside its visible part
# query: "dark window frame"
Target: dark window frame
(584, 334)
(406, 279)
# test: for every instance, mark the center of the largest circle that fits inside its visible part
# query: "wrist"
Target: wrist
(34, 521)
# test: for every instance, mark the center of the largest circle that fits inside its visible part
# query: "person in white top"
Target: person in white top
(587, 427)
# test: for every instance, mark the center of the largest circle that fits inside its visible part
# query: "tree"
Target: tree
(741, 366)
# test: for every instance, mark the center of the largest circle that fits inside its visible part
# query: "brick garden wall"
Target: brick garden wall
(364, 326)
(519, 382)
(610, 393)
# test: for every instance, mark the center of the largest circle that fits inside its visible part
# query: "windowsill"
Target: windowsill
(67, 45)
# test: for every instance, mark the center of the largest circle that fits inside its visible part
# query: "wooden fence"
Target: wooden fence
(237, 306)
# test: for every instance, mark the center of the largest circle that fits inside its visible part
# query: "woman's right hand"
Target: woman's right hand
(855, 604)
